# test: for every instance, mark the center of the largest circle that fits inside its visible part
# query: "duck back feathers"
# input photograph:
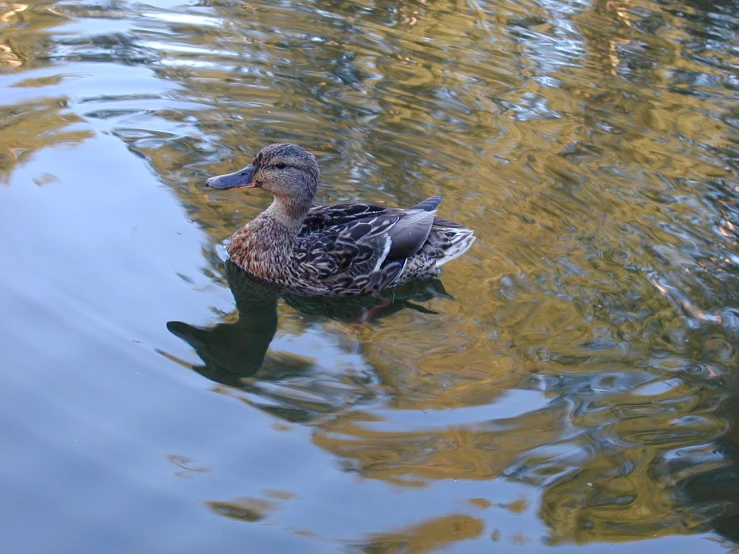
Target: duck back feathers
(362, 248)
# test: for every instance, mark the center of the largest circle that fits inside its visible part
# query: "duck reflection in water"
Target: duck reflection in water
(232, 351)
(715, 491)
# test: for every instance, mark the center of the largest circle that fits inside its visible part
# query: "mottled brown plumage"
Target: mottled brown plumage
(344, 249)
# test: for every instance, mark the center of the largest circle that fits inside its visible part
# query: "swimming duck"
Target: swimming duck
(339, 250)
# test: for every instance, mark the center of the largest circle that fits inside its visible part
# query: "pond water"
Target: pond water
(571, 383)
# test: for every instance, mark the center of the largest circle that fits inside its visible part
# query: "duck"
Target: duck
(336, 250)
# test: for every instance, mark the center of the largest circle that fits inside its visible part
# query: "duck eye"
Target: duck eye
(280, 165)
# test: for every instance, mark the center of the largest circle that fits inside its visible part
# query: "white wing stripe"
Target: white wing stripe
(385, 250)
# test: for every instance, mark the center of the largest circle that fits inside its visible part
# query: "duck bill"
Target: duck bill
(243, 178)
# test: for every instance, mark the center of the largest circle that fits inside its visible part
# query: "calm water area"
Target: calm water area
(571, 384)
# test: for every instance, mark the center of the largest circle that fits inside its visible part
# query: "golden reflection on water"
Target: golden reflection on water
(424, 537)
(417, 458)
(31, 126)
(593, 149)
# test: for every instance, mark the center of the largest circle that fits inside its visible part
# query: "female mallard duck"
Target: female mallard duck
(344, 249)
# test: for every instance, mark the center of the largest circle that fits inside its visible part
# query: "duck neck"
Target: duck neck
(288, 212)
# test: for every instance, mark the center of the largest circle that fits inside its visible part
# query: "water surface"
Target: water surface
(570, 383)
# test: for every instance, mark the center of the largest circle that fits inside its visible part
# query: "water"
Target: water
(570, 383)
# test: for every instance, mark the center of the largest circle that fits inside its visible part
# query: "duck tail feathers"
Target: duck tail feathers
(428, 205)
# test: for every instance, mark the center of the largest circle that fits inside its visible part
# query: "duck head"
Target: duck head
(288, 171)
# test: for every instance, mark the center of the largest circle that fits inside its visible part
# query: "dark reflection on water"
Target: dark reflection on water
(716, 490)
(232, 351)
(577, 383)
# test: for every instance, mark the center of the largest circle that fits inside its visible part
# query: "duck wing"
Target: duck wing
(337, 214)
(354, 225)
(353, 249)
(359, 248)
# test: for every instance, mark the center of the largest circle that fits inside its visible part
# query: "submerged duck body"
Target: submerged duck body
(339, 250)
